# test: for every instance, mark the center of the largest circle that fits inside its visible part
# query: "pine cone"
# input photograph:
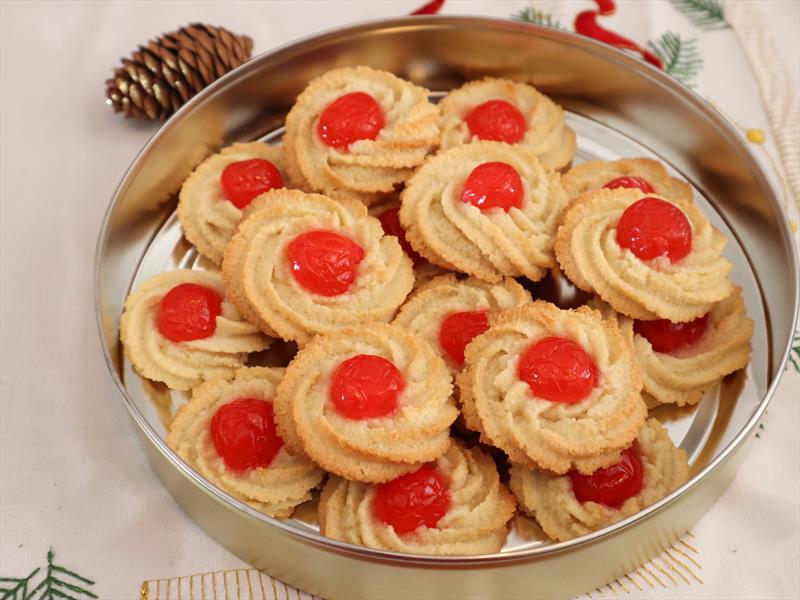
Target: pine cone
(156, 80)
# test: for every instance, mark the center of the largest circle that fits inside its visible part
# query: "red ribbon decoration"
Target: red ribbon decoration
(586, 24)
(431, 8)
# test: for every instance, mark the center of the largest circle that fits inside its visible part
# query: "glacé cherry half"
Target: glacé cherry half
(366, 386)
(349, 118)
(189, 312)
(390, 221)
(493, 185)
(630, 182)
(244, 434)
(666, 336)
(613, 485)
(244, 180)
(497, 120)
(559, 370)
(652, 227)
(414, 500)
(459, 329)
(324, 262)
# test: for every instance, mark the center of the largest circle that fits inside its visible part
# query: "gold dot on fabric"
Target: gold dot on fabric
(756, 136)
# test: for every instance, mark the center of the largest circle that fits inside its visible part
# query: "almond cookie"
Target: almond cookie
(448, 312)
(554, 389)
(227, 433)
(572, 505)
(356, 133)
(215, 194)
(454, 506)
(505, 111)
(648, 257)
(680, 361)
(488, 209)
(180, 328)
(368, 403)
(301, 264)
(645, 174)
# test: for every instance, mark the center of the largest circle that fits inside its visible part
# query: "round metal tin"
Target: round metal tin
(619, 106)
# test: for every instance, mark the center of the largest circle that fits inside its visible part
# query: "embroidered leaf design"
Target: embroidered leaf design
(15, 589)
(679, 56)
(708, 15)
(58, 583)
(537, 17)
(794, 353)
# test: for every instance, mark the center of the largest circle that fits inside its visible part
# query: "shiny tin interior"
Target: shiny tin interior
(617, 104)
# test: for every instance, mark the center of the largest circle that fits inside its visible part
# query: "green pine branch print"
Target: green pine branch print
(794, 353)
(16, 589)
(708, 15)
(537, 17)
(679, 56)
(58, 583)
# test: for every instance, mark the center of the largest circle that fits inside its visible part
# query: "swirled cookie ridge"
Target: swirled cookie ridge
(551, 500)
(476, 522)
(588, 252)
(537, 432)
(368, 168)
(183, 365)
(372, 449)
(546, 132)
(596, 174)
(275, 489)
(262, 284)
(207, 218)
(682, 376)
(488, 244)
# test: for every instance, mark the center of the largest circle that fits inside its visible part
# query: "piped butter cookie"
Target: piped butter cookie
(488, 209)
(645, 174)
(215, 194)
(180, 328)
(648, 257)
(302, 264)
(448, 312)
(227, 432)
(680, 361)
(368, 403)
(357, 133)
(505, 111)
(455, 505)
(554, 389)
(574, 504)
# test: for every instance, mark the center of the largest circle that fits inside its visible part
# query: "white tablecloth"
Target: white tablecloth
(72, 475)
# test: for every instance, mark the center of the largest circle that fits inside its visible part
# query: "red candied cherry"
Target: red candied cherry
(497, 120)
(666, 336)
(349, 118)
(413, 500)
(189, 312)
(366, 386)
(559, 370)
(613, 485)
(324, 262)
(652, 227)
(244, 180)
(458, 330)
(390, 221)
(244, 434)
(493, 185)
(630, 182)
